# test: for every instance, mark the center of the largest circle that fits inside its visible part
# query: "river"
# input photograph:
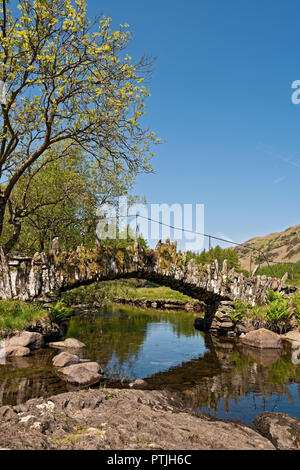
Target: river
(217, 377)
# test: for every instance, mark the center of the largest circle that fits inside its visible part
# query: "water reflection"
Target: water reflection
(133, 344)
(236, 382)
(22, 378)
(225, 379)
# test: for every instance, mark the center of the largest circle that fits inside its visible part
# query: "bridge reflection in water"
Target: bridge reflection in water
(220, 377)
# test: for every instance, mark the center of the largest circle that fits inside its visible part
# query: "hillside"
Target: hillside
(280, 247)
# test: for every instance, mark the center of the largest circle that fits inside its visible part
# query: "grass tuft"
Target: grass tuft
(17, 315)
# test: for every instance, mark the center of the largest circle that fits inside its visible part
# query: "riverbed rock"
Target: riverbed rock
(200, 324)
(74, 343)
(65, 359)
(139, 384)
(16, 351)
(69, 343)
(281, 429)
(262, 339)
(82, 374)
(27, 339)
(291, 336)
(243, 326)
(49, 330)
(111, 419)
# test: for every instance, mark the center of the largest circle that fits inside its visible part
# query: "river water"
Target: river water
(218, 377)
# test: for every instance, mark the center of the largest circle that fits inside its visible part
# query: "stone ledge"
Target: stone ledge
(120, 419)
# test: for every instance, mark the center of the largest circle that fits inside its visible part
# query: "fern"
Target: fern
(60, 312)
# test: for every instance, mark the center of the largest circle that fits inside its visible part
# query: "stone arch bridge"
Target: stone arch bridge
(45, 275)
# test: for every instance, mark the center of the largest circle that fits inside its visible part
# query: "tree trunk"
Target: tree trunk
(3, 203)
(14, 238)
(6, 275)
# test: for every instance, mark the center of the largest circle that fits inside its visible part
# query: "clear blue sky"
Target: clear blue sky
(221, 101)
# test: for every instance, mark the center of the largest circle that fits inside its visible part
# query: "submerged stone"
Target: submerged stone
(200, 324)
(70, 343)
(139, 384)
(17, 351)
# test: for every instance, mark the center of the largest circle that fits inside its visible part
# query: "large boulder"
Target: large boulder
(262, 339)
(281, 429)
(291, 336)
(70, 343)
(26, 339)
(82, 374)
(65, 359)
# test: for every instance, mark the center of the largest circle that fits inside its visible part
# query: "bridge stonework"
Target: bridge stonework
(45, 275)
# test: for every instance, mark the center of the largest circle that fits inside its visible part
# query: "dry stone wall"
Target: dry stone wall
(45, 275)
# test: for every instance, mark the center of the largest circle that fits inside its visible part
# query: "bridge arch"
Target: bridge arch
(45, 275)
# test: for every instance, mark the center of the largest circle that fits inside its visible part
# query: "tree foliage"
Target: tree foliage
(61, 199)
(217, 253)
(69, 82)
(278, 270)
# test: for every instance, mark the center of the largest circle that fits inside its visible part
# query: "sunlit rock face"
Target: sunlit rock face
(46, 275)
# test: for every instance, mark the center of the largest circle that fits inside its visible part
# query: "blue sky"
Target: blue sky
(221, 101)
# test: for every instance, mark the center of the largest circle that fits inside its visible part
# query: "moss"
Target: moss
(120, 259)
(72, 437)
(166, 256)
(180, 261)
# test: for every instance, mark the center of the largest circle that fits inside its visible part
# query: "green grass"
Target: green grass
(17, 315)
(155, 293)
(126, 288)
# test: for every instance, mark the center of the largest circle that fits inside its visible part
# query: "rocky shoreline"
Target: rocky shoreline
(144, 303)
(134, 420)
(162, 304)
(44, 326)
(38, 335)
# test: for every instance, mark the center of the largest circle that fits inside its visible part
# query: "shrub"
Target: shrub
(296, 306)
(240, 311)
(278, 312)
(272, 296)
(60, 312)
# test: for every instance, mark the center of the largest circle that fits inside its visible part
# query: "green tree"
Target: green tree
(218, 254)
(61, 199)
(69, 81)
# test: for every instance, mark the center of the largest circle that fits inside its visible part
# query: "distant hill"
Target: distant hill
(279, 247)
